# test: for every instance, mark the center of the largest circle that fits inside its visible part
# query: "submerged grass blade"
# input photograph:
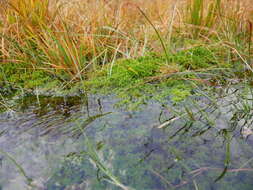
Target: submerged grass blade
(101, 166)
(19, 167)
(228, 139)
(93, 155)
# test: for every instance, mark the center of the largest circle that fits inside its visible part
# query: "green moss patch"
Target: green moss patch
(195, 58)
(132, 80)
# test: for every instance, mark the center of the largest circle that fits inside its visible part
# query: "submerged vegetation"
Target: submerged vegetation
(202, 142)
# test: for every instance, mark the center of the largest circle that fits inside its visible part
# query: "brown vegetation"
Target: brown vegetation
(78, 35)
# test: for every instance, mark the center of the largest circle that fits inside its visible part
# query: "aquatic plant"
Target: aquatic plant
(18, 166)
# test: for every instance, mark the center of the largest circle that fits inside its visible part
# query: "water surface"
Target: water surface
(206, 145)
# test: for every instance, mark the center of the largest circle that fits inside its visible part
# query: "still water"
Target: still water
(203, 143)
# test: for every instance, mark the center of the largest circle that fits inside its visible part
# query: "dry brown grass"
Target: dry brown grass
(74, 35)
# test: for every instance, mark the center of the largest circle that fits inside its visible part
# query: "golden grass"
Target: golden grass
(79, 35)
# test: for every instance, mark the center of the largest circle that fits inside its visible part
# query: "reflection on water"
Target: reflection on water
(204, 143)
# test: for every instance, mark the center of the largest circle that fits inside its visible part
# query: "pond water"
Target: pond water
(87, 143)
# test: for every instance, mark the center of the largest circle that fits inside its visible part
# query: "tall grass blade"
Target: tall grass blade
(157, 33)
